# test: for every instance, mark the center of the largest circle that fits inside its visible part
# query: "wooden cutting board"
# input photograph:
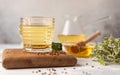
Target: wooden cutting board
(17, 58)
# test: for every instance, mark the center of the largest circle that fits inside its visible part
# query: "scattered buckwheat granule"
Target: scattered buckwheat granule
(86, 63)
(64, 68)
(49, 69)
(53, 69)
(65, 72)
(83, 72)
(39, 70)
(32, 71)
(74, 68)
(36, 71)
(44, 73)
(54, 73)
(86, 73)
(92, 66)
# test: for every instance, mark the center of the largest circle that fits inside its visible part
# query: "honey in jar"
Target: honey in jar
(84, 51)
(69, 45)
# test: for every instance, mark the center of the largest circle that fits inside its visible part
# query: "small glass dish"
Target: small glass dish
(78, 52)
(69, 41)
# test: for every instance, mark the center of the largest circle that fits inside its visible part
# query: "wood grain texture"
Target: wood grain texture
(17, 58)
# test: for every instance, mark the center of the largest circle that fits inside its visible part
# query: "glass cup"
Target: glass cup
(37, 33)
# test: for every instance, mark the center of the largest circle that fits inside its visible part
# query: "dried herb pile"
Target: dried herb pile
(108, 51)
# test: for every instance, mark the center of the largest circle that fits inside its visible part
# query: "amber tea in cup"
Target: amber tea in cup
(37, 33)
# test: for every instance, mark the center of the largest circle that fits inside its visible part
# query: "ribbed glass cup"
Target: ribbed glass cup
(37, 33)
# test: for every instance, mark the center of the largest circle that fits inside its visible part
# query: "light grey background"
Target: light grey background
(89, 10)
